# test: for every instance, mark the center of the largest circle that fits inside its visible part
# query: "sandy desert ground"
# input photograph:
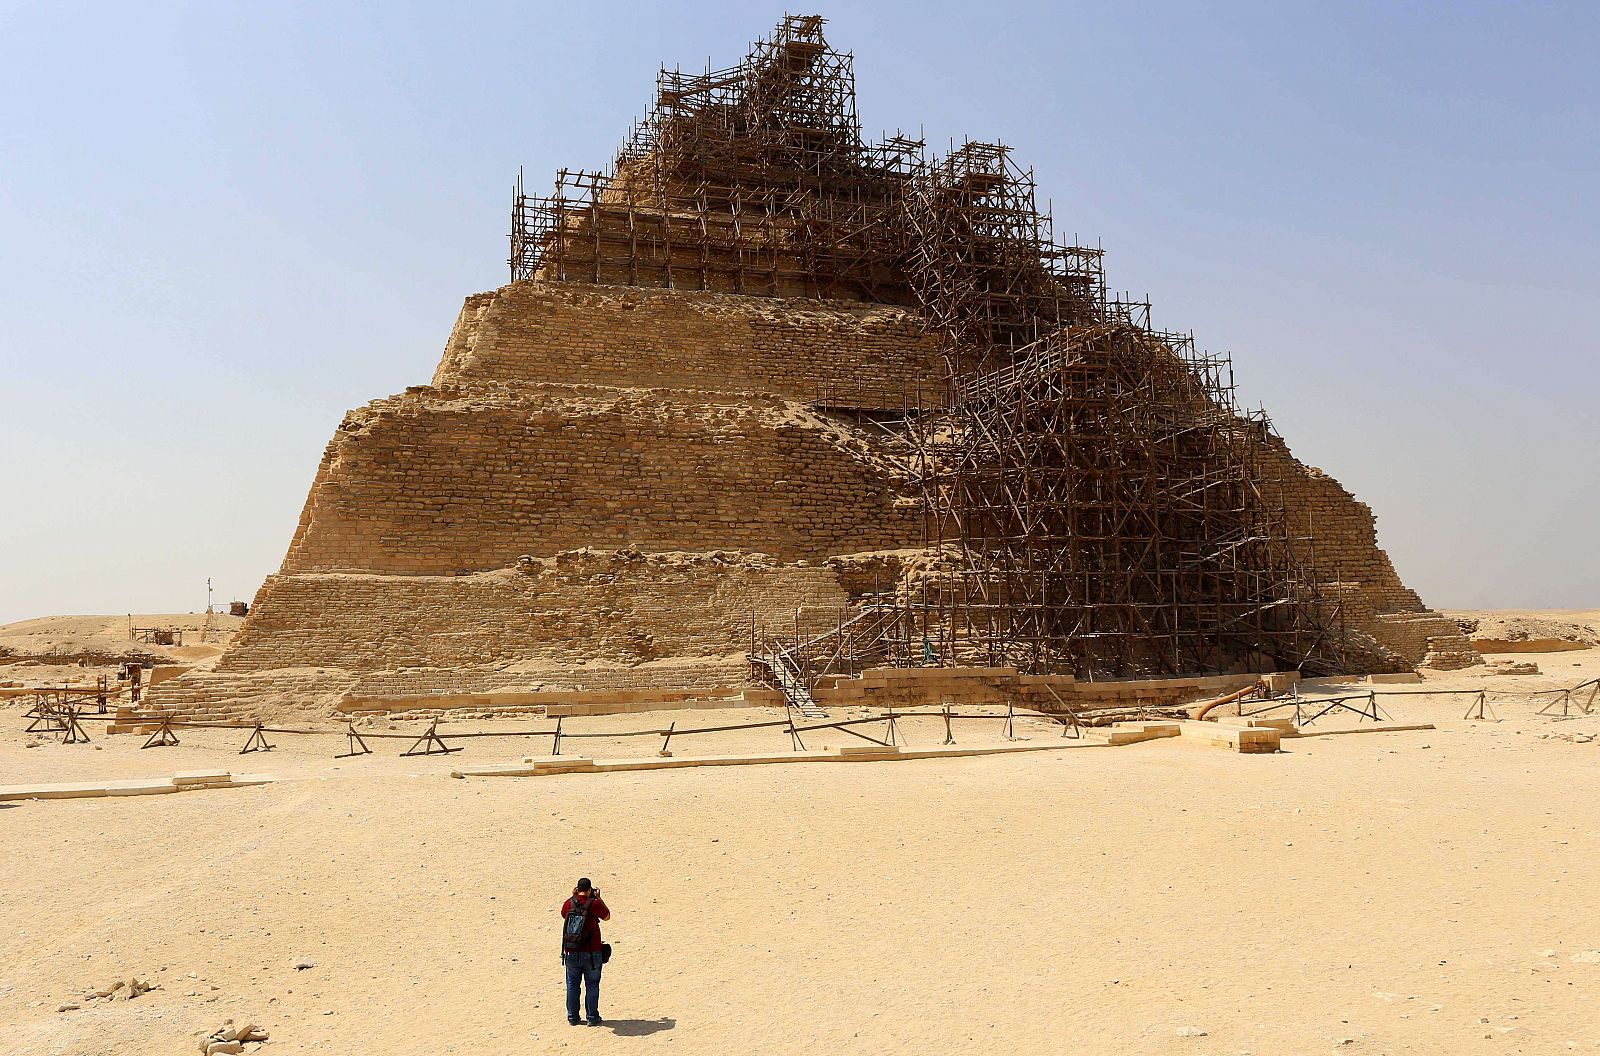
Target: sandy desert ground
(76, 650)
(1424, 892)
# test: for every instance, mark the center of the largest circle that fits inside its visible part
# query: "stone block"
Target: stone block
(200, 775)
(1280, 681)
(67, 790)
(866, 751)
(1236, 738)
(154, 786)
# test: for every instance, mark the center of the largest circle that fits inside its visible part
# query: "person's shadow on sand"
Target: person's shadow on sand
(638, 1028)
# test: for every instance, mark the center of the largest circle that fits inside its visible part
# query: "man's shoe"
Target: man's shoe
(596, 1022)
(574, 1022)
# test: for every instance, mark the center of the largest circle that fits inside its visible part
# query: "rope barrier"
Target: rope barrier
(65, 720)
(435, 740)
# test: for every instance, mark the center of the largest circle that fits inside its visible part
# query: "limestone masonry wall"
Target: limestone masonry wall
(849, 353)
(586, 608)
(427, 484)
(1345, 532)
(1346, 552)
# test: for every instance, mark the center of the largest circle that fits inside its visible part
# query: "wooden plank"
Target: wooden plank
(1375, 727)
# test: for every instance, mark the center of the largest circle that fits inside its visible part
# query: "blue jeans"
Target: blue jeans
(584, 968)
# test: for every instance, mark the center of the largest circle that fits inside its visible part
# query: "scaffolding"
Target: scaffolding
(1104, 488)
(1096, 500)
(752, 179)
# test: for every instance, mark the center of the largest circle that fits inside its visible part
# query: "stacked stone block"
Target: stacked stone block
(847, 354)
(436, 482)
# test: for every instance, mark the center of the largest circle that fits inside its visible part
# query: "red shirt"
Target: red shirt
(597, 913)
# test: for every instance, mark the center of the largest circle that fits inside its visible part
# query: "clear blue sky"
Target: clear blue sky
(222, 225)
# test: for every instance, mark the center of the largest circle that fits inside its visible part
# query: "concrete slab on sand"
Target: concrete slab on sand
(143, 786)
(155, 786)
(1284, 724)
(1133, 732)
(1376, 727)
(1250, 740)
(548, 765)
(1263, 734)
(64, 790)
(1246, 735)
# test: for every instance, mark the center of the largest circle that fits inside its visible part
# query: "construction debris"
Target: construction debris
(231, 1037)
(117, 990)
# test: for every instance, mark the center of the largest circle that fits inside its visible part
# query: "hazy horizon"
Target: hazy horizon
(222, 227)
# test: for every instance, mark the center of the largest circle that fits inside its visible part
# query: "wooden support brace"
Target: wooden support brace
(1480, 709)
(163, 735)
(72, 732)
(1564, 700)
(257, 742)
(430, 743)
(358, 746)
(1071, 715)
(44, 714)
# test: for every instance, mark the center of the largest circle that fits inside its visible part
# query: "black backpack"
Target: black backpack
(575, 929)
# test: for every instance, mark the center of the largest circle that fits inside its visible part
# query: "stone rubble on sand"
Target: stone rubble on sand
(231, 1038)
(120, 990)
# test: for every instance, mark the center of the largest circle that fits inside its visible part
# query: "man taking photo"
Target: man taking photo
(582, 952)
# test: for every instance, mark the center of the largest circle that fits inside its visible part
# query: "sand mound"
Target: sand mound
(102, 640)
(1522, 632)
